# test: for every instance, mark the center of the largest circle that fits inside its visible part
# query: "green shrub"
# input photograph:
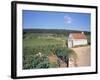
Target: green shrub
(35, 61)
(64, 54)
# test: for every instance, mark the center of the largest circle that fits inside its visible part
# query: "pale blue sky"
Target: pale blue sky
(56, 20)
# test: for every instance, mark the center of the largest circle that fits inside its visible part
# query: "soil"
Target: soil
(84, 56)
(53, 59)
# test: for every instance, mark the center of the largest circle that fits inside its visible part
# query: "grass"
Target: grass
(37, 40)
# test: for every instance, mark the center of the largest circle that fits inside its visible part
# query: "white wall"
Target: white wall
(79, 42)
(5, 50)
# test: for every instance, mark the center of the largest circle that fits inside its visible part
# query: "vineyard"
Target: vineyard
(38, 48)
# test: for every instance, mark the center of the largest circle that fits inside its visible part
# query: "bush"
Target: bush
(64, 54)
(35, 61)
(31, 59)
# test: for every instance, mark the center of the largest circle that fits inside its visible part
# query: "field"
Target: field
(47, 48)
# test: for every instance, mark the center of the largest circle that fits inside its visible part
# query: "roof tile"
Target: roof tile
(78, 35)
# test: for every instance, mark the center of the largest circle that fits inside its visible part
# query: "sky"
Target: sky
(56, 20)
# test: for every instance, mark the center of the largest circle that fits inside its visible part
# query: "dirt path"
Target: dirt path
(84, 56)
(53, 59)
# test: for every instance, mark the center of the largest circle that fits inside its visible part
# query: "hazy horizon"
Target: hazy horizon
(55, 29)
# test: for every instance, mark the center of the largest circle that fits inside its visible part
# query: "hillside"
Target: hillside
(53, 31)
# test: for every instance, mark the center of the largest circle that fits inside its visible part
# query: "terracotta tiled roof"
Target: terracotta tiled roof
(78, 35)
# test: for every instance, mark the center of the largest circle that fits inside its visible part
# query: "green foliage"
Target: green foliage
(40, 62)
(31, 59)
(46, 44)
(61, 53)
(64, 54)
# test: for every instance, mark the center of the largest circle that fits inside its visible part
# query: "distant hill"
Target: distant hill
(53, 31)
